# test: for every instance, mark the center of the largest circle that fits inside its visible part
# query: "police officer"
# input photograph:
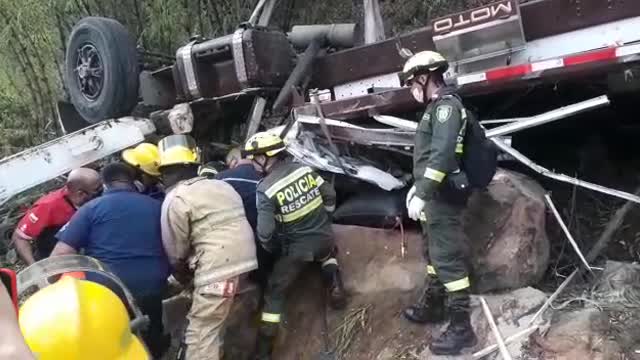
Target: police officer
(437, 199)
(293, 204)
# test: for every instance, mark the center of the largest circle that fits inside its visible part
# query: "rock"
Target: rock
(511, 311)
(618, 286)
(506, 229)
(582, 334)
(371, 260)
(618, 291)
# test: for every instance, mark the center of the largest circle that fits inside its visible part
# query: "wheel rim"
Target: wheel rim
(89, 71)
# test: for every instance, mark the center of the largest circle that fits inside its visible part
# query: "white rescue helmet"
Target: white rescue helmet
(422, 62)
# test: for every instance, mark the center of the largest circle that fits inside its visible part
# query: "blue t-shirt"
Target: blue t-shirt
(155, 192)
(244, 179)
(122, 230)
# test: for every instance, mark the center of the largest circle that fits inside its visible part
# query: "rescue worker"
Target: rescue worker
(145, 159)
(78, 319)
(244, 178)
(42, 221)
(122, 230)
(293, 204)
(208, 240)
(437, 199)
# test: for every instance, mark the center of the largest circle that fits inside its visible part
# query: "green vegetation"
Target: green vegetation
(33, 35)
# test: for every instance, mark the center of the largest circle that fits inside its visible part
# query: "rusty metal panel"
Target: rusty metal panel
(367, 61)
(217, 79)
(539, 18)
(357, 107)
(546, 18)
(269, 57)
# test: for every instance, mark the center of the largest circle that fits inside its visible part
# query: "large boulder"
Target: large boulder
(505, 225)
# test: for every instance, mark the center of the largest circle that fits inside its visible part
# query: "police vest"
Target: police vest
(296, 195)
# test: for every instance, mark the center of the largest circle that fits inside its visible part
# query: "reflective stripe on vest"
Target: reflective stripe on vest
(296, 195)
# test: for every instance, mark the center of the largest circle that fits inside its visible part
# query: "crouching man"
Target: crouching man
(208, 241)
(293, 204)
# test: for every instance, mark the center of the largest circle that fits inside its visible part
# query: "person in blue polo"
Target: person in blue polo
(122, 230)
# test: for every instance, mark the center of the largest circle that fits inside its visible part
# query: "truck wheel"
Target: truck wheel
(101, 69)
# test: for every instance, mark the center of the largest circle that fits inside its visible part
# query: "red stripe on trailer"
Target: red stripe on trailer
(508, 72)
(516, 71)
(601, 55)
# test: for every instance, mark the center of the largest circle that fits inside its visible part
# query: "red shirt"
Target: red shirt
(47, 215)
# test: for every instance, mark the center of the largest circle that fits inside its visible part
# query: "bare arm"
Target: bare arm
(63, 249)
(12, 344)
(23, 247)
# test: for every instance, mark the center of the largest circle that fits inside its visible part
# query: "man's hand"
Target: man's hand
(415, 208)
(183, 275)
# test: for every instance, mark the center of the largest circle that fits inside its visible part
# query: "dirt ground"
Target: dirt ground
(380, 282)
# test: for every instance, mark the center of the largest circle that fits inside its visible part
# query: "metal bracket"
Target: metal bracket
(255, 116)
(238, 58)
(184, 56)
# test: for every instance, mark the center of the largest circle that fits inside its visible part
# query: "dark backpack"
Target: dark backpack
(480, 158)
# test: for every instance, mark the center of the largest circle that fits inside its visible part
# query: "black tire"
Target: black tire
(110, 93)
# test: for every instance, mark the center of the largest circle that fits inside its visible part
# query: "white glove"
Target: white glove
(410, 195)
(415, 208)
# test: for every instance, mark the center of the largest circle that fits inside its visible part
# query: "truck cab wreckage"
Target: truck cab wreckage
(223, 90)
(333, 91)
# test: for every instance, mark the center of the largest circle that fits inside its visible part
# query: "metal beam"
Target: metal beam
(494, 328)
(255, 116)
(42, 163)
(549, 116)
(564, 227)
(561, 177)
(253, 19)
(267, 12)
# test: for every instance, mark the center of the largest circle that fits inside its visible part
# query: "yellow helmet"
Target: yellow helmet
(424, 61)
(145, 157)
(177, 150)
(265, 143)
(78, 319)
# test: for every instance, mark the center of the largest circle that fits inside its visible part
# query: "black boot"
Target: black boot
(266, 337)
(335, 287)
(429, 308)
(458, 335)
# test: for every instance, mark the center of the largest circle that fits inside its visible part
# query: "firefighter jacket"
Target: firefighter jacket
(293, 204)
(438, 144)
(204, 226)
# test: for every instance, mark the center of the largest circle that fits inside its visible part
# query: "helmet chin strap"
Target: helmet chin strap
(424, 89)
(263, 166)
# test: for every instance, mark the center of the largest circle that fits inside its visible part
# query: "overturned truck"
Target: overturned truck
(512, 63)
(336, 98)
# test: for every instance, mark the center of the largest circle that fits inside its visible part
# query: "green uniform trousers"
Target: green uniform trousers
(286, 271)
(446, 249)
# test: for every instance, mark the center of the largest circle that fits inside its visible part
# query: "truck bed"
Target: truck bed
(540, 19)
